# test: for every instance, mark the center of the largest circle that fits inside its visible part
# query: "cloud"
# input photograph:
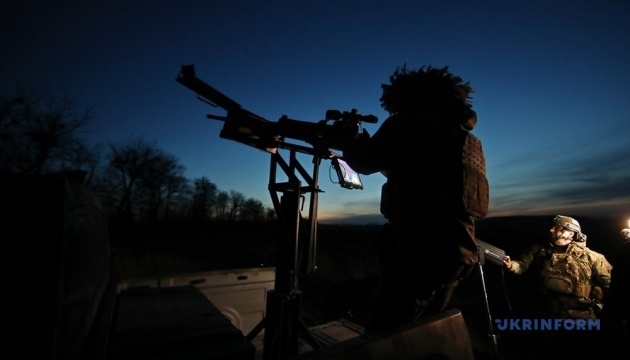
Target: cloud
(594, 178)
(596, 183)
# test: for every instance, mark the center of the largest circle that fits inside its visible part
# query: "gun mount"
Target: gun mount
(298, 235)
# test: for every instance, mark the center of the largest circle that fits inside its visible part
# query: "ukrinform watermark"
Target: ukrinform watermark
(547, 324)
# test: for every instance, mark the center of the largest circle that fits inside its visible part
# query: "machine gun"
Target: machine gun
(298, 235)
(335, 131)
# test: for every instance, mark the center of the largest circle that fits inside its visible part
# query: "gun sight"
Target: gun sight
(352, 115)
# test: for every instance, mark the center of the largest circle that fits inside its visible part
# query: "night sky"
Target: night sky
(551, 82)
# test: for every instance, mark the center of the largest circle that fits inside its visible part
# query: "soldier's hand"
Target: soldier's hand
(467, 256)
(597, 293)
(507, 262)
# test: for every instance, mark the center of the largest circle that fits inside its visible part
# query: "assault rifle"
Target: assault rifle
(338, 128)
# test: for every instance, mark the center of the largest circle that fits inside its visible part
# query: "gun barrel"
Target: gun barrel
(188, 78)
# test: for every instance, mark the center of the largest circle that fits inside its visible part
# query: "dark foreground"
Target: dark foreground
(347, 272)
(45, 260)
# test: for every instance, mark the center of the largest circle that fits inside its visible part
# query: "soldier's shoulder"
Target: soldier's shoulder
(593, 252)
(595, 256)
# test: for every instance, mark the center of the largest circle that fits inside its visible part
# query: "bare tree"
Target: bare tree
(223, 199)
(236, 202)
(83, 157)
(179, 203)
(270, 214)
(140, 177)
(162, 178)
(204, 198)
(125, 165)
(175, 185)
(40, 133)
(253, 210)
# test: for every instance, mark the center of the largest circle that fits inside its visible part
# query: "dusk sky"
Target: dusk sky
(551, 83)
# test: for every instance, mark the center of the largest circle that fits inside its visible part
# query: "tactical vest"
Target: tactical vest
(466, 191)
(475, 188)
(568, 273)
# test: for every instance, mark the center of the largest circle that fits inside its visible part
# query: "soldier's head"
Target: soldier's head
(564, 229)
(429, 87)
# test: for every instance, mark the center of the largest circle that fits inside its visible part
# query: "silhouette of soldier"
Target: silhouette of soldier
(436, 187)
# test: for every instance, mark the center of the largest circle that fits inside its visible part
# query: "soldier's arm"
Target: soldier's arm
(368, 155)
(600, 278)
(601, 272)
(525, 260)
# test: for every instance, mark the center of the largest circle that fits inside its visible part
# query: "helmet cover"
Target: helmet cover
(568, 223)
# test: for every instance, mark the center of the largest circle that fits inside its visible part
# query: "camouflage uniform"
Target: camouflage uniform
(570, 277)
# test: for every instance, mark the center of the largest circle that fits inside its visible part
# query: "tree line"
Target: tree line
(134, 179)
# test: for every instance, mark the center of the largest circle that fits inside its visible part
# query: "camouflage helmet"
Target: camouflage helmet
(568, 223)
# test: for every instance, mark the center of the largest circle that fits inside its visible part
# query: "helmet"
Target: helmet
(568, 223)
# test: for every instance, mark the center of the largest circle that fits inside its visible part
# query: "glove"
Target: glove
(597, 293)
